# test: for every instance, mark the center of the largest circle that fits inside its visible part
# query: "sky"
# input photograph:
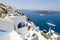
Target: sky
(33, 4)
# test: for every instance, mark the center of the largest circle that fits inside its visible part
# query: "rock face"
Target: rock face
(6, 7)
(3, 10)
(2, 5)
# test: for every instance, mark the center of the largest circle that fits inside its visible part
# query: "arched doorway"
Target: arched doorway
(21, 24)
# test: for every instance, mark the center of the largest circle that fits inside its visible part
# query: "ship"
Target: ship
(16, 26)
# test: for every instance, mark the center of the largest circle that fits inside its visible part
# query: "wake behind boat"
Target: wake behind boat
(51, 24)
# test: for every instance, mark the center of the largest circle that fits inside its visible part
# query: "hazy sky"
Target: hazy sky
(33, 4)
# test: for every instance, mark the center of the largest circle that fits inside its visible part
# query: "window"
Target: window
(20, 25)
(15, 14)
(34, 35)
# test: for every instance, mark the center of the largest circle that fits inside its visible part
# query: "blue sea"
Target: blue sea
(42, 19)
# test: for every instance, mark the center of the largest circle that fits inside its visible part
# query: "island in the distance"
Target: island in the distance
(47, 12)
(41, 11)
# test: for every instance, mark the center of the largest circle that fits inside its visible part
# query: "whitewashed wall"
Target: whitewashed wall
(6, 24)
(17, 20)
(10, 36)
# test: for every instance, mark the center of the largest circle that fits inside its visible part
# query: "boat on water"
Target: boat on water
(15, 26)
(42, 14)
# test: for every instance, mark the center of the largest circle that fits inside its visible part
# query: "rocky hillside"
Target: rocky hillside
(4, 9)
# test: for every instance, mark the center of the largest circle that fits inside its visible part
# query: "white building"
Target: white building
(6, 24)
(9, 35)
